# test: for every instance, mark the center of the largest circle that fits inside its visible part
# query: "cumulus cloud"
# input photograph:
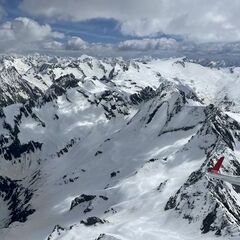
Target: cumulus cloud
(53, 45)
(23, 33)
(141, 27)
(26, 35)
(198, 20)
(138, 47)
(147, 44)
(76, 43)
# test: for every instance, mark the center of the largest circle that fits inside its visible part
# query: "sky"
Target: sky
(120, 27)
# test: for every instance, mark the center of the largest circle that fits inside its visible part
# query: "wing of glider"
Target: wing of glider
(214, 172)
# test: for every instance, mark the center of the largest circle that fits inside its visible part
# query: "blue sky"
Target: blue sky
(94, 30)
(113, 27)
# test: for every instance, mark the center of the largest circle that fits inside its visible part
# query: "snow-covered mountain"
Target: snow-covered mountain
(117, 149)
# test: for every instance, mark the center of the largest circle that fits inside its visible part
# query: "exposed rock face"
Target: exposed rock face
(92, 221)
(17, 199)
(106, 237)
(14, 88)
(83, 198)
(212, 206)
(57, 231)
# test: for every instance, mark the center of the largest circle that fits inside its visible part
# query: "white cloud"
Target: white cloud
(23, 33)
(199, 20)
(76, 43)
(53, 45)
(141, 27)
(148, 44)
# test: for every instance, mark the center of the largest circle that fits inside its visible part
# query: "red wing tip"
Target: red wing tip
(217, 166)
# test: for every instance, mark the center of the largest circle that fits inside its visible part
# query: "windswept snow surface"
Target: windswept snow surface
(117, 150)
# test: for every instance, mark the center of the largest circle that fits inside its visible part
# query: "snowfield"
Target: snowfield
(117, 149)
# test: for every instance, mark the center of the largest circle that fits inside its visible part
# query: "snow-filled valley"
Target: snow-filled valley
(117, 149)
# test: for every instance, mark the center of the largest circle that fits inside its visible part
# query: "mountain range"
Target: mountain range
(117, 149)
